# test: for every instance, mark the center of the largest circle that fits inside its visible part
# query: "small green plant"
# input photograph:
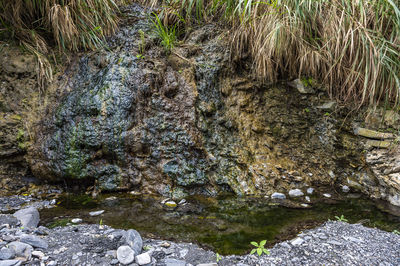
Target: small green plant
(165, 33)
(396, 232)
(307, 110)
(140, 56)
(341, 218)
(101, 222)
(259, 248)
(142, 43)
(146, 248)
(218, 257)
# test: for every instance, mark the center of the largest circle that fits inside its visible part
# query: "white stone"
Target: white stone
(327, 195)
(295, 193)
(38, 254)
(277, 195)
(308, 199)
(345, 189)
(310, 190)
(76, 220)
(125, 255)
(143, 259)
(297, 241)
(305, 205)
(96, 213)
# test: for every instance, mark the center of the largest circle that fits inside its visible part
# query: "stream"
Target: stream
(226, 224)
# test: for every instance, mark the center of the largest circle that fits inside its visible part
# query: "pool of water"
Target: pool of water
(226, 224)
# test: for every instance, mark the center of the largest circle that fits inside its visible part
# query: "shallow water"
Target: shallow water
(226, 224)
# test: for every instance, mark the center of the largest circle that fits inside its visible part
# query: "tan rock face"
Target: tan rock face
(385, 165)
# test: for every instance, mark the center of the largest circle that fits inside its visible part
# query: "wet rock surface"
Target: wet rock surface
(334, 243)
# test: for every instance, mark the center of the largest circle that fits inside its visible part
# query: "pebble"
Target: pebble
(345, 189)
(125, 255)
(310, 190)
(38, 254)
(297, 241)
(334, 242)
(143, 259)
(308, 199)
(170, 204)
(165, 245)
(183, 201)
(304, 205)
(76, 220)
(327, 195)
(277, 195)
(295, 193)
(96, 213)
(174, 262)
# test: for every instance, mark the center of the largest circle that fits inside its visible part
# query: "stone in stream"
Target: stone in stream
(310, 190)
(134, 240)
(125, 255)
(345, 189)
(21, 249)
(28, 217)
(6, 253)
(295, 193)
(96, 213)
(277, 195)
(34, 241)
(143, 259)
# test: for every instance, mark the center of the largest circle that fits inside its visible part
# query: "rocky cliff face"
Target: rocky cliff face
(191, 122)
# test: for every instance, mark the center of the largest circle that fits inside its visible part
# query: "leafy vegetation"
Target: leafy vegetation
(167, 34)
(341, 218)
(351, 47)
(259, 248)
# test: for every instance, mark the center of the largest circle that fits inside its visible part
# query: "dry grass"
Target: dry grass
(70, 25)
(352, 47)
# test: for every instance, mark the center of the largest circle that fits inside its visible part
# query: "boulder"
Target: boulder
(21, 249)
(34, 241)
(28, 217)
(134, 240)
